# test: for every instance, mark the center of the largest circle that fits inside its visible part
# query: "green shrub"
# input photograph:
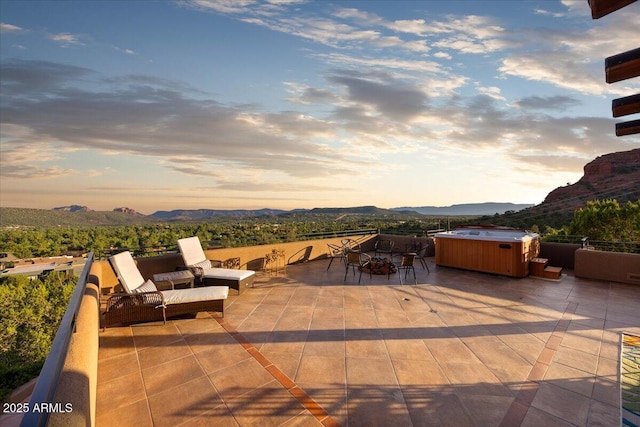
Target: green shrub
(30, 312)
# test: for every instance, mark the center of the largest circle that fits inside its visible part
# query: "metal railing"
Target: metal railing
(45, 389)
(411, 232)
(601, 245)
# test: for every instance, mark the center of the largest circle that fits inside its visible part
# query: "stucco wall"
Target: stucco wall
(559, 254)
(78, 381)
(611, 266)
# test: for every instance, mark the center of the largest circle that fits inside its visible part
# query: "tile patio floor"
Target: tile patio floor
(305, 348)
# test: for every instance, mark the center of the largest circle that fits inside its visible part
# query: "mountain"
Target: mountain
(18, 217)
(489, 208)
(128, 211)
(610, 176)
(193, 214)
(73, 208)
(358, 210)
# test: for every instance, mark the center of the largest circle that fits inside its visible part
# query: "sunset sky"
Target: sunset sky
(159, 105)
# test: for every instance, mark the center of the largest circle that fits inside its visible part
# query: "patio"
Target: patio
(305, 348)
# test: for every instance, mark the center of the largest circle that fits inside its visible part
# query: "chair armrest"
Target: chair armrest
(122, 300)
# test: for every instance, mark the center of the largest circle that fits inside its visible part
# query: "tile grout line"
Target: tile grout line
(520, 406)
(305, 400)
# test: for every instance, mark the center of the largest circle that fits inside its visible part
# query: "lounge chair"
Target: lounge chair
(203, 269)
(142, 302)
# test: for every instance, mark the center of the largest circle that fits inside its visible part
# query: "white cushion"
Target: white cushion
(228, 273)
(206, 293)
(191, 250)
(127, 271)
(148, 286)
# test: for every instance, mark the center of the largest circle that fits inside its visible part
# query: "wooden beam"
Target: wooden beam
(625, 106)
(622, 66)
(628, 128)
(600, 8)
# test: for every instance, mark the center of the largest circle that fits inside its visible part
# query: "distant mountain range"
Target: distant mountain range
(489, 208)
(191, 214)
(467, 209)
(611, 176)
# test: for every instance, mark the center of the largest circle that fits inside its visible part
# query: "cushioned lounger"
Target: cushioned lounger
(195, 259)
(235, 279)
(142, 301)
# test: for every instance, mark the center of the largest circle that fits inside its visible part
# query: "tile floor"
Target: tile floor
(305, 348)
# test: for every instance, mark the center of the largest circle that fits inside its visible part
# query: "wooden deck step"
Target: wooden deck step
(552, 272)
(537, 266)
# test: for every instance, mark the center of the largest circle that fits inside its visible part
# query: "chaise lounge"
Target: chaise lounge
(202, 268)
(142, 301)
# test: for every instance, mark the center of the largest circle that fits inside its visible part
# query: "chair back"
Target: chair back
(350, 245)
(191, 250)
(384, 245)
(335, 250)
(407, 260)
(126, 271)
(353, 257)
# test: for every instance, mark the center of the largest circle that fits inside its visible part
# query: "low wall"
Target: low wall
(403, 243)
(559, 254)
(251, 257)
(610, 266)
(76, 387)
(79, 378)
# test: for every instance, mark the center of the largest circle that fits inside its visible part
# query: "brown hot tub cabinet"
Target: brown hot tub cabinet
(498, 251)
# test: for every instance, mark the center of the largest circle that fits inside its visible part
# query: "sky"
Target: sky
(246, 104)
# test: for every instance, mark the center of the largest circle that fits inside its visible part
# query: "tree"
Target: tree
(608, 221)
(30, 312)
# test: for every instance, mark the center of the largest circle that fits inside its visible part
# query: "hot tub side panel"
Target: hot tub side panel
(505, 258)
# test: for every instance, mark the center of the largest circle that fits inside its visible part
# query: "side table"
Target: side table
(173, 278)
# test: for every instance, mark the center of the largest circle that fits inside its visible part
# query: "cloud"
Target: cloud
(66, 39)
(23, 156)
(555, 68)
(157, 119)
(8, 28)
(558, 102)
(387, 97)
(400, 65)
(493, 92)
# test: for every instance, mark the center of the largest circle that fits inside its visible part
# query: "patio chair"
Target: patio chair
(335, 251)
(358, 260)
(384, 246)
(142, 302)
(203, 269)
(350, 245)
(406, 264)
(422, 256)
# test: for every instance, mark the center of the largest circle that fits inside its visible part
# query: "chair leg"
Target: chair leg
(415, 281)
(330, 261)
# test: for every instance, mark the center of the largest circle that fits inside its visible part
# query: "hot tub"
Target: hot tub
(502, 251)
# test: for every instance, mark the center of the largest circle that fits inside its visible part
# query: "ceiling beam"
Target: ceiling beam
(622, 66)
(628, 128)
(625, 106)
(600, 8)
